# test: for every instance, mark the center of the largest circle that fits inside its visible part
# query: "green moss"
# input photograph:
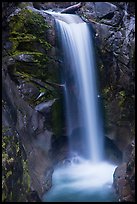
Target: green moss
(107, 93)
(121, 98)
(24, 4)
(28, 21)
(39, 67)
(24, 75)
(28, 26)
(49, 94)
(28, 36)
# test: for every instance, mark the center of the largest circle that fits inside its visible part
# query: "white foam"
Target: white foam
(84, 181)
(85, 175)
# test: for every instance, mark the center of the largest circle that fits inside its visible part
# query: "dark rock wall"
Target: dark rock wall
(31, 95)
(124, 176)
(114, 26)
(32, 92)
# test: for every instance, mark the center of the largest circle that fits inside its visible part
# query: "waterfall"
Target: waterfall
(85, 176)
(81, 94)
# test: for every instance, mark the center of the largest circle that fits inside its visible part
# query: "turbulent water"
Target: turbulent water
(82, 180)
(87, 177)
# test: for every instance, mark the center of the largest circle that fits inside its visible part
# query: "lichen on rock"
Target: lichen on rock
(15, 175)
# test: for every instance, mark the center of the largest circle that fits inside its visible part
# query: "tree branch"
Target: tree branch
(72, 9)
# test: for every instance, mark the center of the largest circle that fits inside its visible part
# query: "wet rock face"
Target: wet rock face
(32, 131)
(29, 37)
(124, 177)
(104, 9)
(52, 5)
(114, 26)
(33, 197)
(112, 152)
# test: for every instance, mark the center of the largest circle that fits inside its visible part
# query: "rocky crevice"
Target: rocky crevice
(32, 89)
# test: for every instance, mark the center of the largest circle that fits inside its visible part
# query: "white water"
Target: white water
(79, 60)
(90, 178)
(83, 181)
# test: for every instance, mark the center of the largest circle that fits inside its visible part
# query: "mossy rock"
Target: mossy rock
(33, 60)
(28, 36)
(40, 69)
(28, 33)
(14, 168)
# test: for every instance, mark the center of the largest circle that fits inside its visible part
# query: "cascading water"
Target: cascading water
(80, 66)
(84, 178)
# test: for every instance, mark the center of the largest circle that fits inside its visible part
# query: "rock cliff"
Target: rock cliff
(32, 105)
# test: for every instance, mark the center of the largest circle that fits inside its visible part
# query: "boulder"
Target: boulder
(104, 9)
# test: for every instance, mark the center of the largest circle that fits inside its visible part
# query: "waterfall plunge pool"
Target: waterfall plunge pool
(82, 181)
